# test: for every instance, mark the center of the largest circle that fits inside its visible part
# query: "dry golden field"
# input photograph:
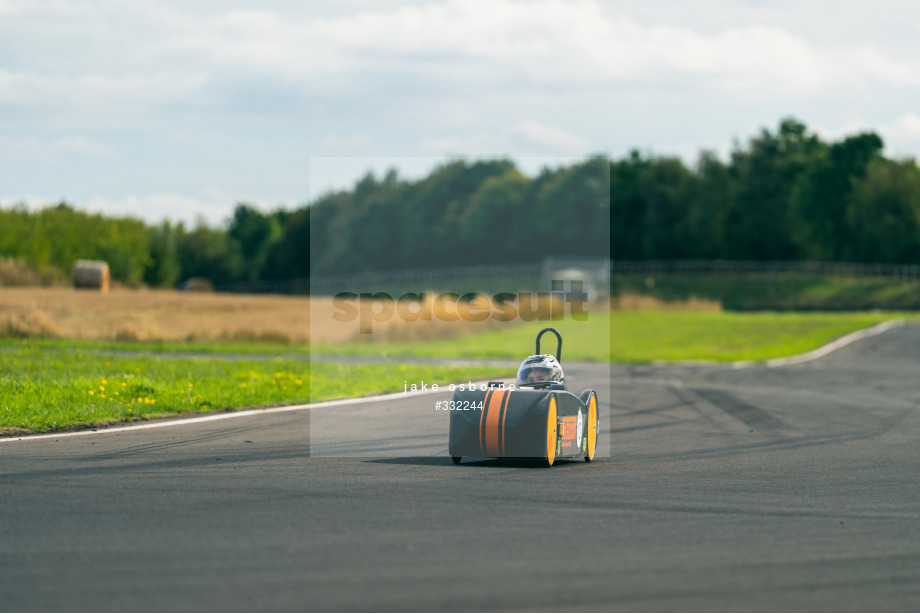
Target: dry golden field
(148, 315)
(168, 315)
(638, 302)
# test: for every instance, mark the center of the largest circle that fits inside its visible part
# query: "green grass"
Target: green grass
(44, 390)
(581, 341)
(777, 291)
(57, 384)
(644, 336)
(190, 347)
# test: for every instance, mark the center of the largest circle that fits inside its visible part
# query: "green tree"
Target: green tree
(162, 269)
(289, 257)
(709, 207)
(500, 204)
(668, 188)
(210, 253)
(819, 200)
(757, 225)
(628, 206)
(884, 210)
(255, 233)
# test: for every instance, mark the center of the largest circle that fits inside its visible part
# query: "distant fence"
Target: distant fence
(418, 279)
(422, 279)
(534, 276)
(533, 273)
(848, 269)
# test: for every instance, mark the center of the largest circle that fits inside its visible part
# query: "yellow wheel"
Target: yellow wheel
(592, 428)
(551, 428)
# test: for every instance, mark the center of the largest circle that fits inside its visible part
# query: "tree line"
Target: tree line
(783, 195)
(787, 195)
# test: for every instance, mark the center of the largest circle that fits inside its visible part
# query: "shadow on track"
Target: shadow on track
(437, 461)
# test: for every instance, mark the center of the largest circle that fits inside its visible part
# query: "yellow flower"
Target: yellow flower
(92, 392)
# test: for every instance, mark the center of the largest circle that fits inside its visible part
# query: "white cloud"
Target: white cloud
(156, 207)
(524, 138)
(902, 136)
(147, 54)
(544, 41)
(94, 99)
(202, 92)
(67, 147)
(906, 126)
(153, 208)
(351, 144)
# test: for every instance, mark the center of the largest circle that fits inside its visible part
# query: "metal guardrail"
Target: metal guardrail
(422, 278)
(850, 269)
(320, 284)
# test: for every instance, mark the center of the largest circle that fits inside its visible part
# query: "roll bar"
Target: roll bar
(558, 346)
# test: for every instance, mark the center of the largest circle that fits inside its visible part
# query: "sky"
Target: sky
(179, 110)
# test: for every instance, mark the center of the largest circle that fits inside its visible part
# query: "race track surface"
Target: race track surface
(791, 488)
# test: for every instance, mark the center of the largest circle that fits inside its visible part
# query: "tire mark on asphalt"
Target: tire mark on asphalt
(656, 409)
(758, 419)
(646, 427)
(790, 443)
(110, 470)
(165, 445)
(681, 394)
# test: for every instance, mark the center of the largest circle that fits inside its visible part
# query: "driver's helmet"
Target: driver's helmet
(539, 369)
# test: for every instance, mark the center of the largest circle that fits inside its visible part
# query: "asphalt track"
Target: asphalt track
(788, 488)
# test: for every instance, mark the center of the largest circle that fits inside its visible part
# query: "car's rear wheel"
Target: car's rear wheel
(456, 459)
(592, 428)
(551, 430)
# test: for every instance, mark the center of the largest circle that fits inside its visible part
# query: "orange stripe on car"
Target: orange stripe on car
(494, 413)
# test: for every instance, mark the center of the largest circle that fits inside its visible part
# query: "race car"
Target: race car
(536, 417)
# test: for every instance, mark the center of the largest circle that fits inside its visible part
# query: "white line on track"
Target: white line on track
(836, 344)
(776, 362)
(824, 350)
(237, 414)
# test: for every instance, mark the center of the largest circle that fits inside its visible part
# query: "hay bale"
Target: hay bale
(197, 284)
(92, 274)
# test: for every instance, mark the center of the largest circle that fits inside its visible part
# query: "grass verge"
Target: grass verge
(642, 336)
(241, 348)
(786, 291)
(49, 391)
(645, 336)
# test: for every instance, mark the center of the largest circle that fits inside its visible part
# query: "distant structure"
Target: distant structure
(593, 273)
(197, 284)
(91, 274)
